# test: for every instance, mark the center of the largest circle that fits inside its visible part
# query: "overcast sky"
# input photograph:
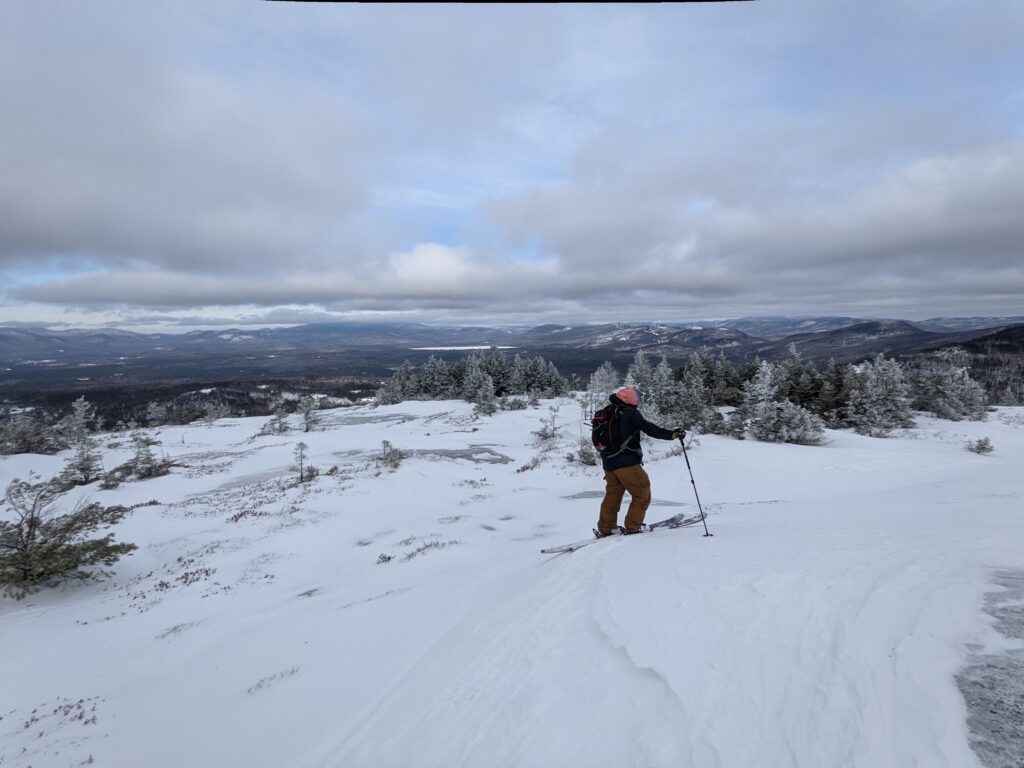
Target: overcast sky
(194, 164)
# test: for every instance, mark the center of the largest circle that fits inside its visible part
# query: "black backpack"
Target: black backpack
(605, 431)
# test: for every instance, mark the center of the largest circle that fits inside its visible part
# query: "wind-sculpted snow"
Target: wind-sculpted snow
(395, 611)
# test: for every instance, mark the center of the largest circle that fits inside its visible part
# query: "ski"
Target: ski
(676, 521)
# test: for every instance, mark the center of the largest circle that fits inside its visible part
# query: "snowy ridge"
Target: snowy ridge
(823, 625)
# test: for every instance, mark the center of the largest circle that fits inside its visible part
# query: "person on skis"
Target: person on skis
(623, 463)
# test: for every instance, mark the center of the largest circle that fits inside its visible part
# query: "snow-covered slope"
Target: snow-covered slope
(821, 625)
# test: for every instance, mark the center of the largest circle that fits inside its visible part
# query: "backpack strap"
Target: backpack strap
(625, 444)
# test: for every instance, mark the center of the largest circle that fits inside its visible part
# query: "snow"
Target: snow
(458, 349)
(824, 623)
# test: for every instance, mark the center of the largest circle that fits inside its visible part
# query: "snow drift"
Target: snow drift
(381, 616)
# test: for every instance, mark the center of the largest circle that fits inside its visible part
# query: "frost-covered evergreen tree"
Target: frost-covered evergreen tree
(723, 383)
(25, 431)
(84, 466)
(602, 382)
(605, 380)
(478, 386)
(556, 385)
(538, 375)
(793, 424)
(786, 371)
(691, 410)
(800, 382)
(640, 373)
(663, 392)
(435, 380)
(834, 396)
(772, 419)
(519, 378)
(759, 397)
(942, 385)
(80, 423)
(880, 397)
(400, 387)
(499, 369)
(389, 393)
(483, 398)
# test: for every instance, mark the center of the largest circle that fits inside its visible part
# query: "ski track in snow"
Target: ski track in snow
(510, 691)
(265, 623)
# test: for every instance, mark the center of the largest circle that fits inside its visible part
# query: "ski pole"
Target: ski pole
(694, 484)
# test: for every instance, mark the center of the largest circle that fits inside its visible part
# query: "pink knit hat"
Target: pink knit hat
(628, 396)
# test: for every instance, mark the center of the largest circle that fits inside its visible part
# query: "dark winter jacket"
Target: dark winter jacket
(632, 423)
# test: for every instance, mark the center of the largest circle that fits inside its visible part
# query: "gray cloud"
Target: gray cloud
(456, 161)
(125, 154)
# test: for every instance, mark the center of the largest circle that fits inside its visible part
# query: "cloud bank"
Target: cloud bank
(509, 163)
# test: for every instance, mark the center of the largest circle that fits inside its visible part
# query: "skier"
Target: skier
(623, 465)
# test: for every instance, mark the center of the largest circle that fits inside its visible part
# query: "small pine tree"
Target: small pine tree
(40, 547)
(981, 446)
(277, 425)
(390, 392)
(144, 463)
(81, 422)
(548, 432)
(84, 466)
(478, 386)
(300, 459)
(790, 423)
(736, 424)
(391, 456)
(310, 418)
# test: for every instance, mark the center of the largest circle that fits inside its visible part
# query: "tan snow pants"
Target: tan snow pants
(617, 482)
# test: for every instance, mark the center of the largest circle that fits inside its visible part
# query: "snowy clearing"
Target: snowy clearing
(378, 617)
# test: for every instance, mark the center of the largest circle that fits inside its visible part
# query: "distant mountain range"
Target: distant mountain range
(88, 358)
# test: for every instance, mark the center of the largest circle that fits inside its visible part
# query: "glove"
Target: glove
(679, 434)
